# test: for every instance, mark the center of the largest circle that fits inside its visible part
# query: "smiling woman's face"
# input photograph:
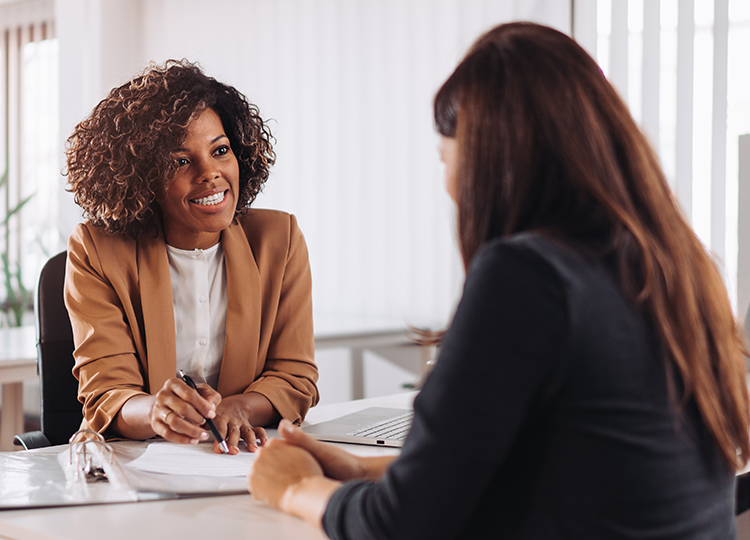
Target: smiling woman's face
(200, 201)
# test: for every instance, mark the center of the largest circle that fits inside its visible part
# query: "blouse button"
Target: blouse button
(202, 342)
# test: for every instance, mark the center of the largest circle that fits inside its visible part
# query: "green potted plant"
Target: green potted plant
(18, 299)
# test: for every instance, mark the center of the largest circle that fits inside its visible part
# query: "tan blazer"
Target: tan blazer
(119, 296)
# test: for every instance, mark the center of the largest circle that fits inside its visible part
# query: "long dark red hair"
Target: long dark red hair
(545, 143)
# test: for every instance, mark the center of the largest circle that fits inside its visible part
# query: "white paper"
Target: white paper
(192, 459)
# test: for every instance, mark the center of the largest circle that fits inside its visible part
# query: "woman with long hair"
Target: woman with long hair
(593, 365)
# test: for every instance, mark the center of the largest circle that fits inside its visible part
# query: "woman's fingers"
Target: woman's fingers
(336, 462)
(210, 395)
(233, 438)
(278, 466)
(296, 436)
(179, 412)
(261, 435)
(255, 437)
(171, 426)
(233, 417)
(185, 402)
(203, 401)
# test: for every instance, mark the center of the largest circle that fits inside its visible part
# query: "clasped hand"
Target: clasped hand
(179, 414)
(289, 473)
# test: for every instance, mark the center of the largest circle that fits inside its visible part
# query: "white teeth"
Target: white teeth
(216, 198)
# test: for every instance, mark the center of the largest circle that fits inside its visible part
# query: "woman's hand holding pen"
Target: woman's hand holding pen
(179, 411)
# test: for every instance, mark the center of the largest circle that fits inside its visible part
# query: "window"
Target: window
(681, 67)
(29, 152)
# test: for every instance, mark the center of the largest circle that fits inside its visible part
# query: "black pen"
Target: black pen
(211, 425)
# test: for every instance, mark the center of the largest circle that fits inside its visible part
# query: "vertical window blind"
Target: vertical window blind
(681, 67)
(29, 150)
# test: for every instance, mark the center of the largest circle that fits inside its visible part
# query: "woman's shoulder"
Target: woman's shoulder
(517, 262)
(107, 254)
(271, 235)
(526, 248)
(86, 233)
(262, 226)
(535, 248)
(262, 217)
(575, 267)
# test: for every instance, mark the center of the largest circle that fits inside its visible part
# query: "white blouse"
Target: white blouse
(199, 297)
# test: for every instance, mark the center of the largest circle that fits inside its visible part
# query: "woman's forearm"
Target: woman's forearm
(309, 498)
(134, 419)
(373, 467)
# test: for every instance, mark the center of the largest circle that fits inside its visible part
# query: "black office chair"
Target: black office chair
(61, 412)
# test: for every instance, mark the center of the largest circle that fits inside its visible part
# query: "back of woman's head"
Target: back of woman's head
(545, 143)
(119, 157)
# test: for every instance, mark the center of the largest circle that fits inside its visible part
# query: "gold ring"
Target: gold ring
(165, 415)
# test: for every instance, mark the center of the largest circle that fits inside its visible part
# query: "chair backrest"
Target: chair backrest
(61, 412)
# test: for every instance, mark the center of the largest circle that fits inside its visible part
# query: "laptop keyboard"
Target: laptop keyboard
(394, 428)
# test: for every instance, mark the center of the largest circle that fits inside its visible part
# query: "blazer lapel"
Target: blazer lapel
(243, 313)
(158, 311)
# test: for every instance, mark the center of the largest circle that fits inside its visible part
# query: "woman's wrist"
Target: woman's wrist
(373, 467)
(308, 498)
(133, 420)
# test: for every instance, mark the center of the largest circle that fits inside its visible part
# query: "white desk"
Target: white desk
(236, 517)
(17, 364)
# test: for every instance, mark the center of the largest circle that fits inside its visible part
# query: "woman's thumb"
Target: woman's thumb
(292, 434)
(288, 431)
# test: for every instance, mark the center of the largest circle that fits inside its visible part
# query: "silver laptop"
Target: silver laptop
(377, 426)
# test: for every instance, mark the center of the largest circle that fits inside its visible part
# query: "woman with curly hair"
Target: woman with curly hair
(593, 367)
(173, 271)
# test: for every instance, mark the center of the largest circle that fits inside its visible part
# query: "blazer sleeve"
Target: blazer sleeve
(106, 361)
(289, 374)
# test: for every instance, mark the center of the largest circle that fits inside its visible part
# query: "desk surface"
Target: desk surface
(238, 517)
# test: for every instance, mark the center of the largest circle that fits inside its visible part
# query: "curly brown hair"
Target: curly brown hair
(120, 155)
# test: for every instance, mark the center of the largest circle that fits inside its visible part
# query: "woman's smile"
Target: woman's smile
(210, 200)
